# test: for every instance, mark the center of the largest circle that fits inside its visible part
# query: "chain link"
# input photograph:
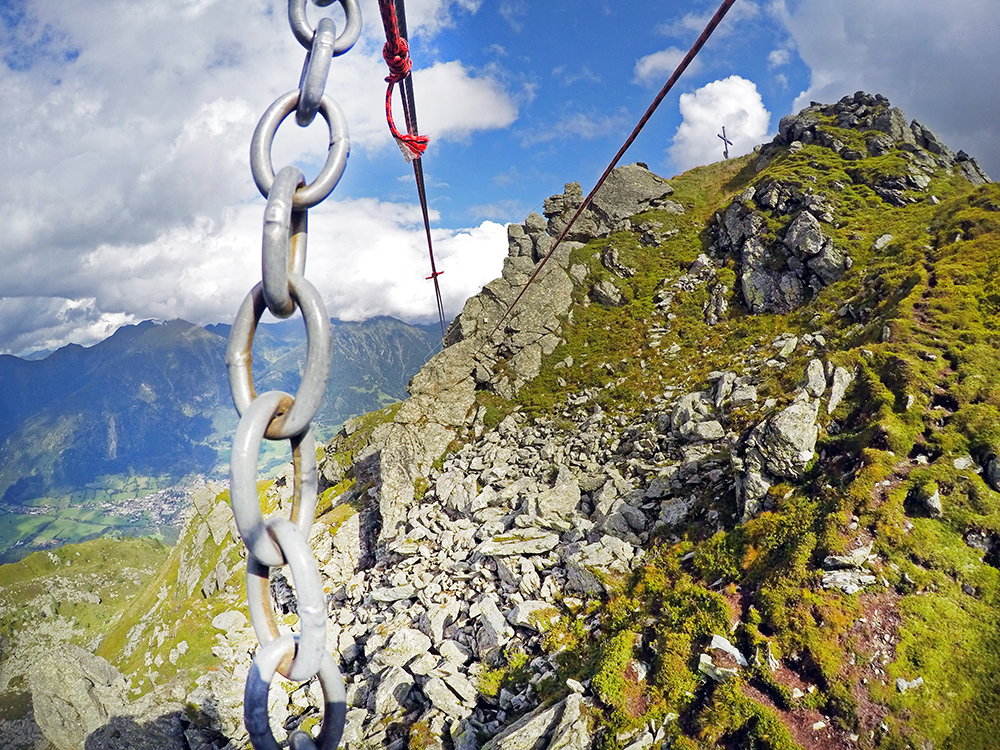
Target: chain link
(336, 159)
(304, 32)
(276, 415)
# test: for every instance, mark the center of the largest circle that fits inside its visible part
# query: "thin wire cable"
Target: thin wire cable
(712, 24)
(394, 20)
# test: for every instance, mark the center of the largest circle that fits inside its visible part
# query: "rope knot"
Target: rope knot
(396, 54)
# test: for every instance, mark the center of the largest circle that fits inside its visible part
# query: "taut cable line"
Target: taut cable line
(695, 49)
(397, 56)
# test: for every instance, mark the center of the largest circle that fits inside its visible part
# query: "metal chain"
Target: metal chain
(279, 416)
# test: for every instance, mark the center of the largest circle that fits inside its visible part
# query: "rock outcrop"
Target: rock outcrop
(510, 576)
(442, 395)
(781, 269)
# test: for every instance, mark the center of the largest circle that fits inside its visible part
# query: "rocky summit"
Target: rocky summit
(727, 476)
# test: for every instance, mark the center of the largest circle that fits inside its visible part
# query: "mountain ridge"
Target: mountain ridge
(645, 514)
(150, 405)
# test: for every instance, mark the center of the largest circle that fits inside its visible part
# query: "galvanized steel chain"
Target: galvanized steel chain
(279, 416)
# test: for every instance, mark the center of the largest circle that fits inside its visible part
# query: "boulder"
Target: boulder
(74, 694)
(787, 441)
(607, 294)
(562, 499)
(572, 732)
(841, 379)
(532, 731)
(804, 237)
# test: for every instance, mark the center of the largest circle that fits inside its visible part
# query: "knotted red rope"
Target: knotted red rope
(397, 56)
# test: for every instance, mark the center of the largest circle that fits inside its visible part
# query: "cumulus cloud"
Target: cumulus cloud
(127, 191)
(654, 69)
(367, 257)
(453, 103)
(937, 61)
(732, 102)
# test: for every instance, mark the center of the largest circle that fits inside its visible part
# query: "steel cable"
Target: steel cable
(695, 49)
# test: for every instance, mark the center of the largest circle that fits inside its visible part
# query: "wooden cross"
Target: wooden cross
(726, 141)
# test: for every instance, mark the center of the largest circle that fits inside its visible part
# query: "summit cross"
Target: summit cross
(727, 143)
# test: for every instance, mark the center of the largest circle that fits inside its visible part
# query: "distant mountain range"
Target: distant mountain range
(153, 400)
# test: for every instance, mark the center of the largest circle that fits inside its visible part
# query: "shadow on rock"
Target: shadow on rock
(168, 732)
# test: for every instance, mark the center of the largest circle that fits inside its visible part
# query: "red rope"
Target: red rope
(397, 56)
(695, 49)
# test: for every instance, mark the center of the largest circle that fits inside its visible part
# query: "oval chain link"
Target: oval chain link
(336, 159)
(315, 71)
(255, 716)
(304, 32)
(279, 257)
(279, 416)
(303, 407)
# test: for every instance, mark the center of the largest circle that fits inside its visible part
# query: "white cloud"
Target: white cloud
(577, 125)
(732, 102)
(938, 61)
(695, 23)
(513, 12)
(654, 69)
(778, 57)
(365, 257)
(453, 103)
(127, 192)
(381, 262)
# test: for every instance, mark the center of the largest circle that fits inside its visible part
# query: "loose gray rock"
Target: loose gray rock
(519, 542)
(903, 685)
(992, 473)
(708, 668)
(404, 645)
(929, 498)
(722, 644)
(788, 440)
(606, 293)
(842, 378)
(562, 499)
(848, 581)
(815, 380)
(394, 593)
(444, 700)
(854, 559)
(393, 689)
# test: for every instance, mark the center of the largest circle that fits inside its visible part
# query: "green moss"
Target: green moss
(732, 719)
(511, 673)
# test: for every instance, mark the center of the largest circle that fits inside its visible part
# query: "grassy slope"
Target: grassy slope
(935, 290)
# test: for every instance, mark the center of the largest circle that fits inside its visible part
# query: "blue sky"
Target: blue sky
(571, 69)
(127, 192)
